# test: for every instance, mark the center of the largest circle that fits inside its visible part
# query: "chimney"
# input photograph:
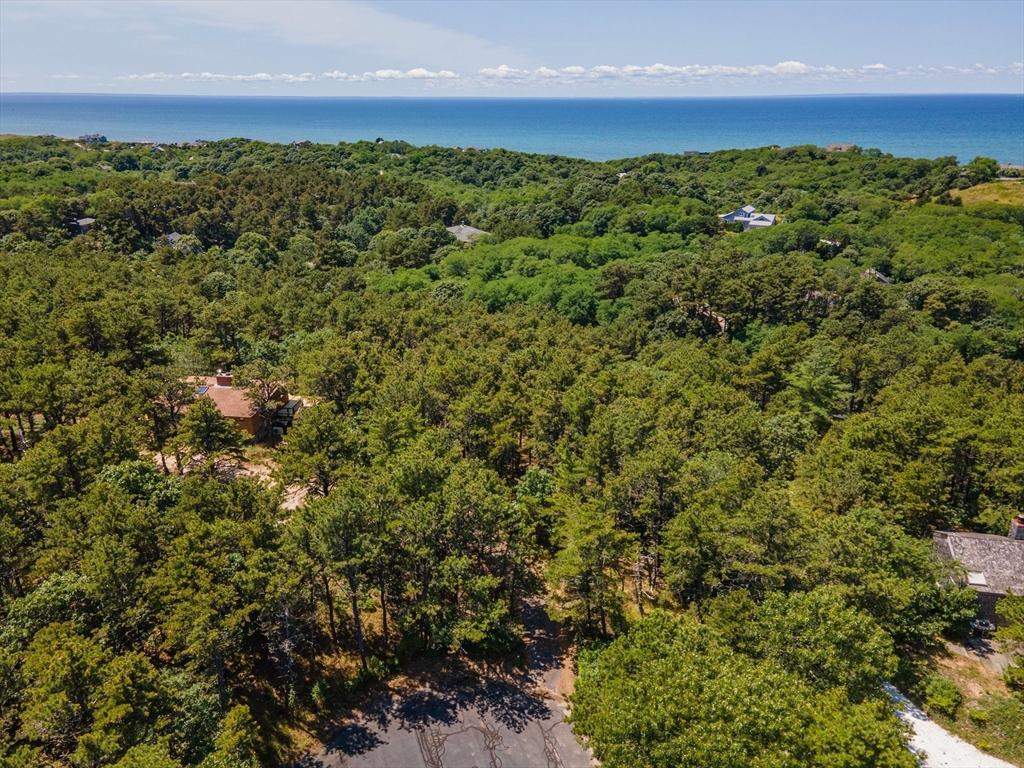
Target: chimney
(1017, 528)
(223, 379)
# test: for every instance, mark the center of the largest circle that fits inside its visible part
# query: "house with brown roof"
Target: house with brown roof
(234, 404)
(994, 565)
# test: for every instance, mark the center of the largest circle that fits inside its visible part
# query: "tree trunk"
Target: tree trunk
(222, 687)
(424, 620)
(329, 599)
(513, 606)
(353, 589)
(655, 572)
(290, 661)
(638, 585)
(382, 586)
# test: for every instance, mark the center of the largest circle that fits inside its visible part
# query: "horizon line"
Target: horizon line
(424, 97)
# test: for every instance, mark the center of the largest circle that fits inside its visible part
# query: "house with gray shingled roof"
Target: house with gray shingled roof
(465, 233)
(748, 217)
(994, 565)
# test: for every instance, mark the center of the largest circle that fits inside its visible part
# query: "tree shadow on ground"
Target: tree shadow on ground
(349, 740)
(545, 648)
(450, 692)
(501, 702)
(504, 702)
(354, 739)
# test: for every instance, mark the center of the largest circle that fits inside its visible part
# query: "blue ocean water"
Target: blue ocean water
(598, 129)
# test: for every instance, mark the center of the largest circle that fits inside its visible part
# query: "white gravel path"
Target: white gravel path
(937, 747)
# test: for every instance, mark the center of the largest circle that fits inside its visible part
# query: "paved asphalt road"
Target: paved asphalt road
(484, 724)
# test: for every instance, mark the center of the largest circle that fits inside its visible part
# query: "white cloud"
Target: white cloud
(417, 73)
(69, 76)
(792, 68)
(151, 76)
(657, 72)
(338, 75)
(651, 74)
(505, 72)
(425, 74)
(666, 74)
(210, 77)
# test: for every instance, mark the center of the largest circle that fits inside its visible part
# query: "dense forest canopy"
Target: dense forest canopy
(697, 443)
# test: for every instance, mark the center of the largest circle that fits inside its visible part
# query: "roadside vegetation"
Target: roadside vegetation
(971, 697)
(718, 456)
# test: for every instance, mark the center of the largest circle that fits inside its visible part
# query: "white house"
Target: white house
(748, 217)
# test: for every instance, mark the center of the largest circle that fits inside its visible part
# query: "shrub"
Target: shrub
(942, 695)
(320, 694)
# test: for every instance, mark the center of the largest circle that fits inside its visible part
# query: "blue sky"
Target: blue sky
(342, 48)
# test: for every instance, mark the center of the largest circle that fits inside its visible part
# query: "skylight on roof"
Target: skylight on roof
(976, 579)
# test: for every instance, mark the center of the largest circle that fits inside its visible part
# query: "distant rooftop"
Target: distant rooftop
(874, 273)
(748, 217)
(465, 233)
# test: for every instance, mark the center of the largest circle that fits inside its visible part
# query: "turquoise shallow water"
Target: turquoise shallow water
(598, 129)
